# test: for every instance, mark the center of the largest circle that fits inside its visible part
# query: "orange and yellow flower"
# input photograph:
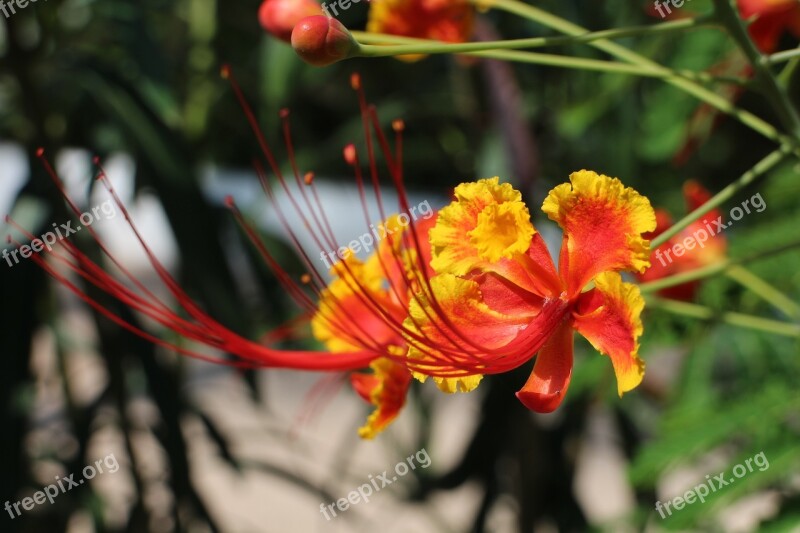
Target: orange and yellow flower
(442, 20)
(470, 292)
(497, 299)
(450, 21)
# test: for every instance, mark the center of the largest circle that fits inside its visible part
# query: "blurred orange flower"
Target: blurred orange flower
(279, 17)
(697, 245)
(441, 20)
(772, 19)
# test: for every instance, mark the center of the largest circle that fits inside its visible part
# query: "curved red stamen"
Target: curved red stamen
(210, 332)
(456, 355)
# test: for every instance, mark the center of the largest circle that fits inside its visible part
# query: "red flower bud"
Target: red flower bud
(322, 41)
(279, 17)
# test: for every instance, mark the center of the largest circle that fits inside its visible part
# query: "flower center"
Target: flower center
(502, 231)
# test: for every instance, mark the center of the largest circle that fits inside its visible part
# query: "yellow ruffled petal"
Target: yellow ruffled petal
(453, 385)
(386, 389)
(609, 316)
(487, 222)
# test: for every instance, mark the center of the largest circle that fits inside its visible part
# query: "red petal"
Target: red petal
(364, 384)
(549, 380)
(609, 316)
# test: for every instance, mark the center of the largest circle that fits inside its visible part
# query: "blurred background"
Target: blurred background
(202, 447)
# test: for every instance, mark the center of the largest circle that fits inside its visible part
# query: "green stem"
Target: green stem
(781, 57)
(760, 168)
(629, 56)
(539, 42)
(763, 289)
(711, 270)
(552, 60)
(685, 277)
(729, 16)
(735, 319)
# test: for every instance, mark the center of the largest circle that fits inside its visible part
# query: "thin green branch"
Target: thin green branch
(685, 277)
(507, 51)
(540, 42)
(711, 270)
(552, 60)
(781, 57)
(729, 17)
(545, 18)
(735, 319)
(764, 290)
(760, 169)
